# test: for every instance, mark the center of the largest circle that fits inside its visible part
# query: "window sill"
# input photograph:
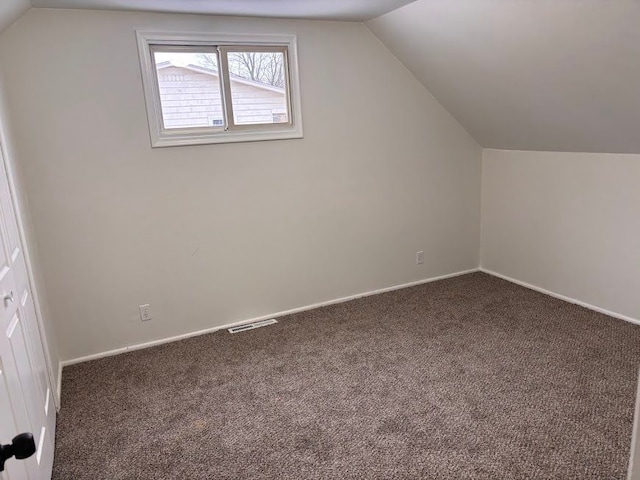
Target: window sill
(183, 139)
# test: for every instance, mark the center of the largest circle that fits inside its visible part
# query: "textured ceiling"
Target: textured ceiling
(528, 74)
(354, 10)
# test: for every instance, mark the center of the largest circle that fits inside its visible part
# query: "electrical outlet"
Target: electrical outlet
(419, 257)
(145, 312)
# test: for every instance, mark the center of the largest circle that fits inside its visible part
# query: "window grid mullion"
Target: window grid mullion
(226, 88)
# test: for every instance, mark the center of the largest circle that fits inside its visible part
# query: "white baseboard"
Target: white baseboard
(595, 308)
(153, 343)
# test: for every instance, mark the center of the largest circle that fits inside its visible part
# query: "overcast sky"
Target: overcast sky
(178, 58)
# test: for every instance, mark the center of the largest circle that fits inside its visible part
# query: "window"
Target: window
(202, 88)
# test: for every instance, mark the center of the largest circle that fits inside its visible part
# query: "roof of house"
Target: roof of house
(214, 72)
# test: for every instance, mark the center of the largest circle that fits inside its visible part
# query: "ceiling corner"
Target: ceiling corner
(12, 10)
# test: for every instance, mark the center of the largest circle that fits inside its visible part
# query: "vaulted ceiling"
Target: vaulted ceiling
(351, 10)
(560, 75)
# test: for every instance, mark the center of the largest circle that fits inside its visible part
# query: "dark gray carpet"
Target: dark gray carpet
(466, 378)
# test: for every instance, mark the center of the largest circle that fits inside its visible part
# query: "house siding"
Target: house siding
(192, 99)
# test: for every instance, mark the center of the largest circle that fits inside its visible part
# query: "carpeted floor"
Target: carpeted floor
(466, 378)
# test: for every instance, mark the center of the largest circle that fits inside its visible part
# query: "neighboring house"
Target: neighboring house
(190, 97)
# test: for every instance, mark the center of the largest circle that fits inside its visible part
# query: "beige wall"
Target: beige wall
(220, 233)
(565, 222)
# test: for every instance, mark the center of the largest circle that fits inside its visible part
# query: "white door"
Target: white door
(26, 403)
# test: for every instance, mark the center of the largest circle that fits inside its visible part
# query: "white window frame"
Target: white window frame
(169, 137)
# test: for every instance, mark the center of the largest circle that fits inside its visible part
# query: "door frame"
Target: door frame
(633, 472)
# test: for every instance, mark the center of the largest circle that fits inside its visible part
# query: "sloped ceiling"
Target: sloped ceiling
(561, 75)
(11, 10)
(351, 10)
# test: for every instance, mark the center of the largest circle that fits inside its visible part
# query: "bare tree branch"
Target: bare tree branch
(208, 60)
(263, 67)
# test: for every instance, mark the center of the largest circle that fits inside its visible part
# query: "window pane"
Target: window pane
(258, 87)
(189, 89)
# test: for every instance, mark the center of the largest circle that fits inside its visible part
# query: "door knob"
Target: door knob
(22, 446)
(8, 297)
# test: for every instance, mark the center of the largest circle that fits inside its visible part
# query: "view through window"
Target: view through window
(191, 89)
